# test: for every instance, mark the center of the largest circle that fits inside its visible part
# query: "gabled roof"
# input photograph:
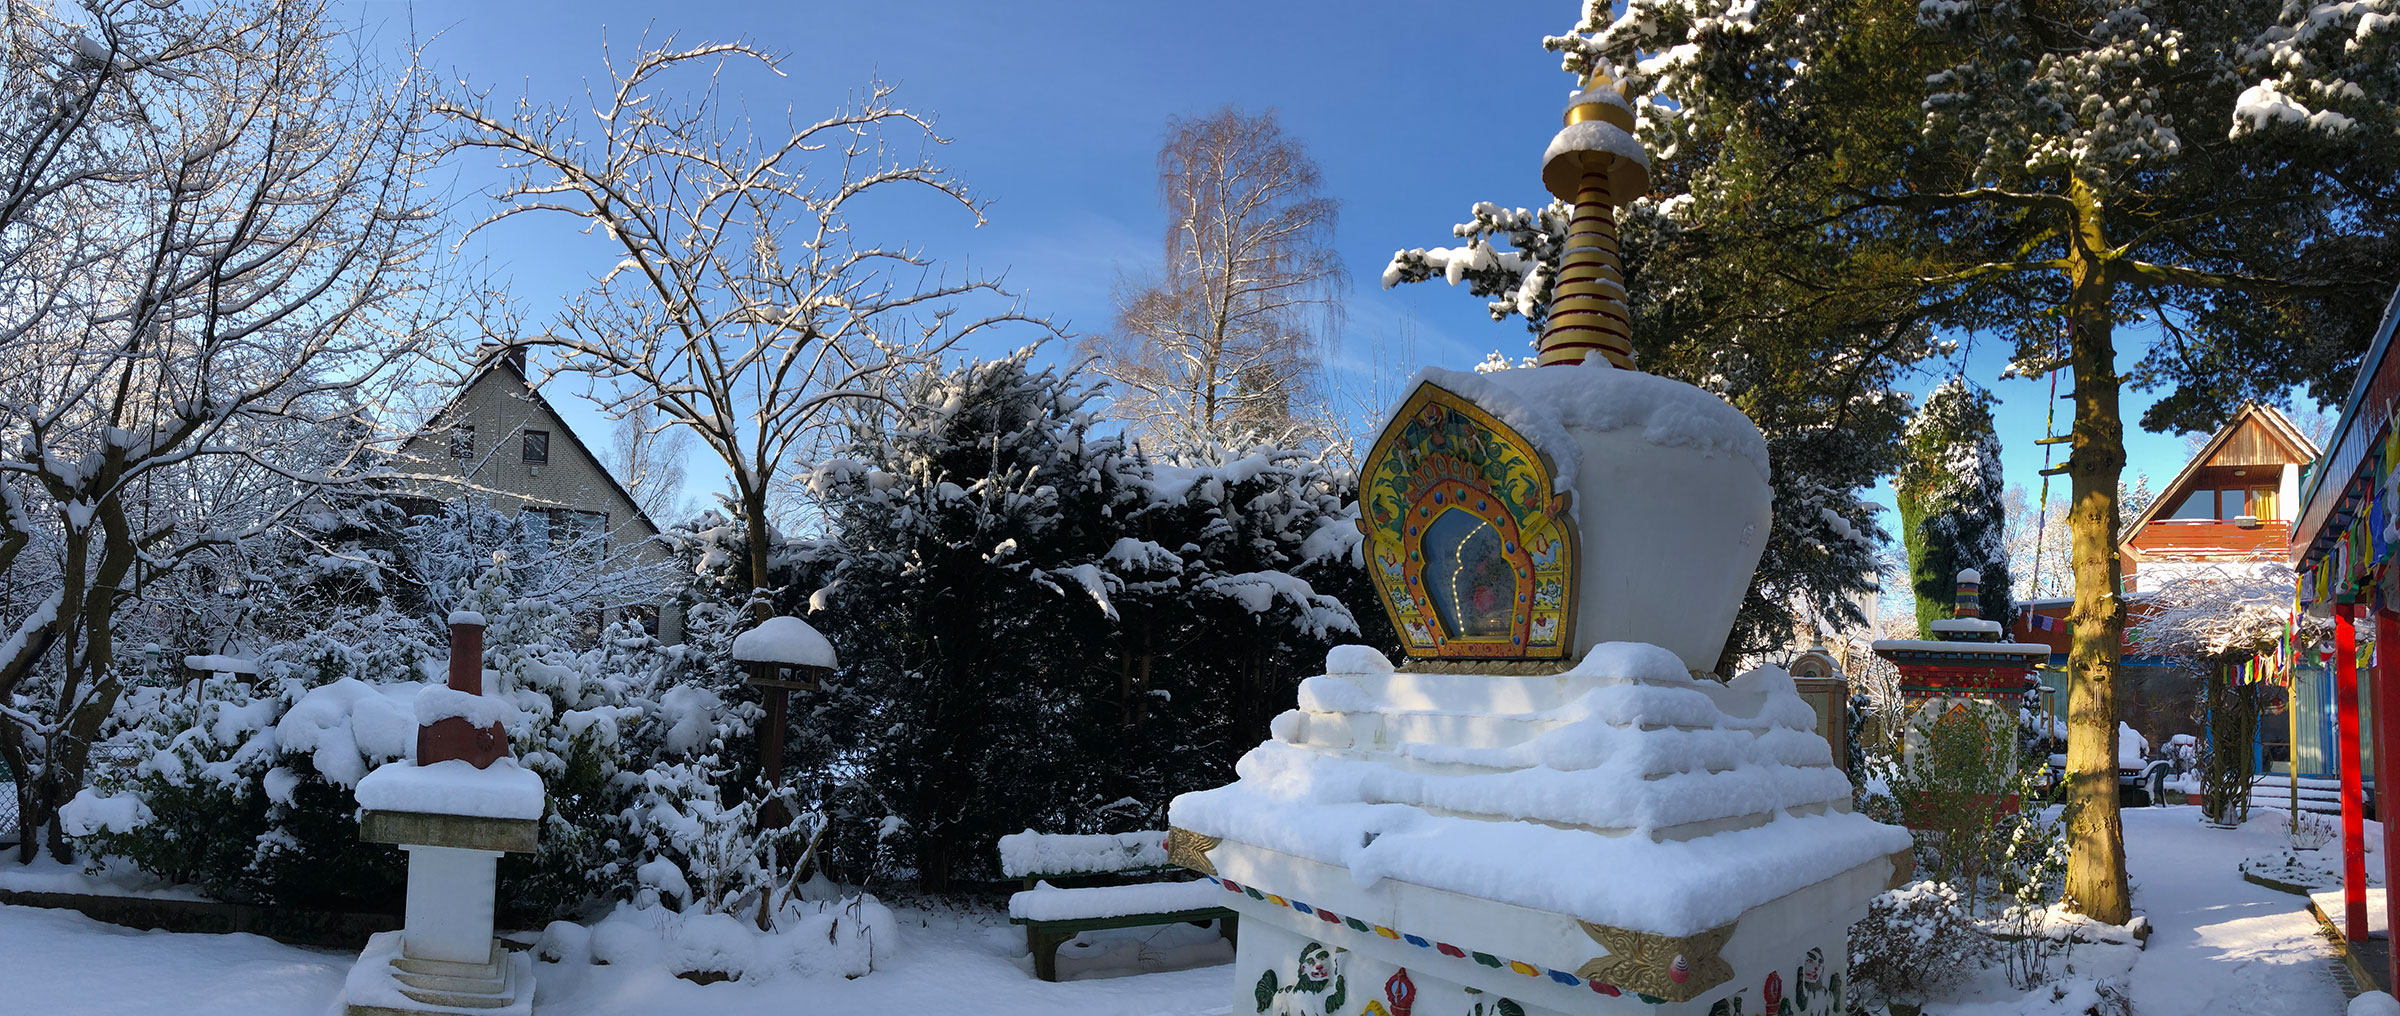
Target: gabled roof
(2277, 424)
(494, 362)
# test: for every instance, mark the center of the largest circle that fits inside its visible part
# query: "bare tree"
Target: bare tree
(1229, 340)
(647, 454)
(742, 305)
(211, 242)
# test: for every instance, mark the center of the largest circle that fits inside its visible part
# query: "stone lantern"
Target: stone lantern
(460, 804)
(1556, 806)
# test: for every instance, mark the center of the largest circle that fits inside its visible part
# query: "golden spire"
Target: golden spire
(1594, 164)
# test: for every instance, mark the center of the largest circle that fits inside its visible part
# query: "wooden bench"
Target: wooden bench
(1131, 893)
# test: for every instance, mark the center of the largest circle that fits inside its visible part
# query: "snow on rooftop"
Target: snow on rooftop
(214, 664)
(1974, 624)
(1969, 575)
(1544, 403)
(786, 640)
(454, 787)
(466, 617)
(1604, 96)
(1947, 646)
(1655, 801)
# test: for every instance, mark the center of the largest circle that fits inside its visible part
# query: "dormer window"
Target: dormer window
(2226, 505)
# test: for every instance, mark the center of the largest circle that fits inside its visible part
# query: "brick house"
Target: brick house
(508, 444)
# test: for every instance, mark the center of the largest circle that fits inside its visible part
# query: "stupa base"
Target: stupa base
(387, 982)
(1453, 955)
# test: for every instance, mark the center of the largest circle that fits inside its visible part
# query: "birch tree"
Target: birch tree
(741, 303)
(1228, 342)
(211, 243)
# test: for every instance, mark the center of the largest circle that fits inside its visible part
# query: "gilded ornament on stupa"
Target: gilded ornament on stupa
(1594, 164)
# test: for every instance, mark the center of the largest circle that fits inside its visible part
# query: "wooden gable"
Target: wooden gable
(2252, 453)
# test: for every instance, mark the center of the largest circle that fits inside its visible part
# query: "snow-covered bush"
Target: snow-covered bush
(1984, 843)
(1915, 942)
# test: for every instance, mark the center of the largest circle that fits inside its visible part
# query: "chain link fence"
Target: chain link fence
(8, 807)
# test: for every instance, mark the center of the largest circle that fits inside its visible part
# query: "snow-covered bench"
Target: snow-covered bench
(1052, 913)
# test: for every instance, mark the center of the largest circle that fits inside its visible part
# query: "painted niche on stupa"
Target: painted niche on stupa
(1470, 547)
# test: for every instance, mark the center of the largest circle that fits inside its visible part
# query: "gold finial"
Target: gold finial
(1594, 164)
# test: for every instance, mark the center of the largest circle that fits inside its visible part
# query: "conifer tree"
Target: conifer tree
(2227, 173)
(1950, 512)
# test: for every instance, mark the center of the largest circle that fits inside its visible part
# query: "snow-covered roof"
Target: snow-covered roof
(1946, 646)
(1542, 403)
(1647, 799)
(786, 640)
(216, 664)
(1973, 624)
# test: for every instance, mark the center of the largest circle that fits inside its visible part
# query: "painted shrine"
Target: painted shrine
(1558, 805)
(1470, 552)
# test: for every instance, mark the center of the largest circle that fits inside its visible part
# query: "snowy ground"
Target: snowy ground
(2221, 946)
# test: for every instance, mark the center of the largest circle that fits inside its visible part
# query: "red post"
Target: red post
(2354, 827)
(2387, 745)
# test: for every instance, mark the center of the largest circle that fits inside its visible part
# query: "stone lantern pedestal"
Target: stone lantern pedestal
(455, 810)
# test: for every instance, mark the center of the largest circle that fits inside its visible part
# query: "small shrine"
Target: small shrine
(1966, 665)
(455, 808)
(1556, 806)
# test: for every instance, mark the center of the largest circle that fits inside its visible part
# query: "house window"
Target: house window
(462, 441)
(537, 447)
(2227, 504)
(645, 615)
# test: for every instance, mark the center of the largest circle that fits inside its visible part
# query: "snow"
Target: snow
(1938, 645)
(441, 702)
(1045, 902)
(214, 664)
(1597, 136)
(454, 787)
(2374, 1003)
(1600, 96)
(113, 877)
(2220, 947)
(1974, 624)
(1608, 768)
(89, 814)
(346, 725)
(1031, 853)
(466, 617)
(1545, 403)
(786, 640)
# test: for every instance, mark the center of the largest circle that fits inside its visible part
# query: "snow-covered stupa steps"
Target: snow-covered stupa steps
(1664, 756)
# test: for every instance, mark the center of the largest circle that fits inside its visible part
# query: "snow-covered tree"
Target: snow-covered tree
(1017, 594)
(740, 304)
(2224, 172)
(1950, 503)
(212, 241)
(1228, 341)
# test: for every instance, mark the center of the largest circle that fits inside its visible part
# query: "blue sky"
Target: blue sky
(1415, 111)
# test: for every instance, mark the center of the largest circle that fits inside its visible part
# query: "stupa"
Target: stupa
(1965, 667)
(1556, 807)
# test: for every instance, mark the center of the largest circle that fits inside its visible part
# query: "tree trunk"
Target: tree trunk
(2095, 831)
(754, 531)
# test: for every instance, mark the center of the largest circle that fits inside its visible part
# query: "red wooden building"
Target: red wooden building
(2341, 550)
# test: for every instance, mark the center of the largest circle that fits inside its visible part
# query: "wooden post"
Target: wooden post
(771, 752)
(2387, 745)
(2354, 830)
